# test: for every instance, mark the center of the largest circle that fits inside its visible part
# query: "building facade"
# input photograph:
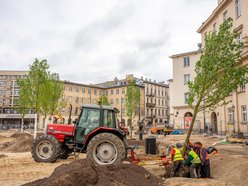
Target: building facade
(9, 93)
(153, 107)
(231, 118)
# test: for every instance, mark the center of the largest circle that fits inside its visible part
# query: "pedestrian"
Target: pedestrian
(177, 158)
(194, 161)
(206, 129)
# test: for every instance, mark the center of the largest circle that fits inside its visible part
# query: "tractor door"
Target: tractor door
(89, 120)
(109, 119)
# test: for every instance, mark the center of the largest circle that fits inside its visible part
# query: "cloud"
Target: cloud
(91, 41)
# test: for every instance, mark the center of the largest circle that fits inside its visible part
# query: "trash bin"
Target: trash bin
(151, 145)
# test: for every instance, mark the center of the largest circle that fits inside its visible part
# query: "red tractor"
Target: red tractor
(96, 133)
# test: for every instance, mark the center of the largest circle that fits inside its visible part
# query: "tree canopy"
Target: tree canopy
(41, 90)
(218, 72)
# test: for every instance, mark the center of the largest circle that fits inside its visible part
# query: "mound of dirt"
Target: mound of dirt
(231, 169)
(21, 135)
(83, 172)
(22, 143)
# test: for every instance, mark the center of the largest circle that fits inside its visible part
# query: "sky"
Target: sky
(92, 41)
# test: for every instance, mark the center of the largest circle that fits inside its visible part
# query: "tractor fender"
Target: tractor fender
(119, 133)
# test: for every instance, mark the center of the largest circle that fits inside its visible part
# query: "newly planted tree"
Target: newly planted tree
(132, 103)
(103, 100)
(218, 72)
(42, 89)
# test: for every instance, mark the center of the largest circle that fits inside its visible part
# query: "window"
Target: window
(2, 83)
(100, 92)
(123, 90)
(16, 92)
(243, 113)
(214, 27)
(111, 92)
(117, 91)
(117, 101)
(186, 62)
(186, 97)
(89, 119)
(95, 91)
(230, 115)
(1, 92)
(70, 87)
(83, 90)
(225, 16)
(111, 101)
(238, 8)
(76, 100)
(106, 92)
(122, 100)
(70, 99)
(108, 119)
(89, 91)
(240, 37)
(186, 79)
(77, 89)
(82, 100)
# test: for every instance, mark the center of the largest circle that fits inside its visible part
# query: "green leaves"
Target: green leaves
(41, 90)
(132, 99)
(218, 71)
(103, 100)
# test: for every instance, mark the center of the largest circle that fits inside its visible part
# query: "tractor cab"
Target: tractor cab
(94, 117)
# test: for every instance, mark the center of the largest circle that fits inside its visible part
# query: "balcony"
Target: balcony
(150, 94)
(150, 104)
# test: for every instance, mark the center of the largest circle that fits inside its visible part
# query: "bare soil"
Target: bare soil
(86, 173)
(228, 167)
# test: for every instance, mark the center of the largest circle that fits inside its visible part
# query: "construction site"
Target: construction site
(17, 167)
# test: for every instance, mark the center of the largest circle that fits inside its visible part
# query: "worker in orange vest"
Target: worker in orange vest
(177, 159)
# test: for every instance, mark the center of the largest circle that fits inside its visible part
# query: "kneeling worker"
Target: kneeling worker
(177, 158)
(194, 162)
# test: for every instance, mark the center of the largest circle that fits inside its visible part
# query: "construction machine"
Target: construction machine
(96, 133)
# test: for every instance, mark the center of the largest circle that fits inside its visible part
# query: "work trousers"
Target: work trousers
(194, 170)
(177, 169)
(205, 170)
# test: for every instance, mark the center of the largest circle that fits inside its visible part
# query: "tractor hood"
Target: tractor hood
(60, 129)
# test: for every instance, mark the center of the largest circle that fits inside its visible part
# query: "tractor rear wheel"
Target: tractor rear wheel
(106, 149)
(46, 149)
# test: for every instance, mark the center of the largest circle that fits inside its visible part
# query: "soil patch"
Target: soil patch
(22, 143)
(193, 182)
(2, 156)
(83, 172)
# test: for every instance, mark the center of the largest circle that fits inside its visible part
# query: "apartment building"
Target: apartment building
(9, 92)
(183, 72)
(154, 105)
(229, 118)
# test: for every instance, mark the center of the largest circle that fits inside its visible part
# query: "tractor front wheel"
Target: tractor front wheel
(46, 149)
(106, 149)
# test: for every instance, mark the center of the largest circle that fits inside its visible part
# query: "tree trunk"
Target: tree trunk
(22, 124)
(131, 128)
(190, 131)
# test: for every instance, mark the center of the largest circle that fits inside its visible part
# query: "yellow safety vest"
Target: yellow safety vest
(177, 156)
(196, 158)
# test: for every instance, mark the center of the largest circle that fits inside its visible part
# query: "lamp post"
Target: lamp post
(233, 109)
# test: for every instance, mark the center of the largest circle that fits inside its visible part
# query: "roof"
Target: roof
(97, 106)
(214, 14)
(186, 54)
